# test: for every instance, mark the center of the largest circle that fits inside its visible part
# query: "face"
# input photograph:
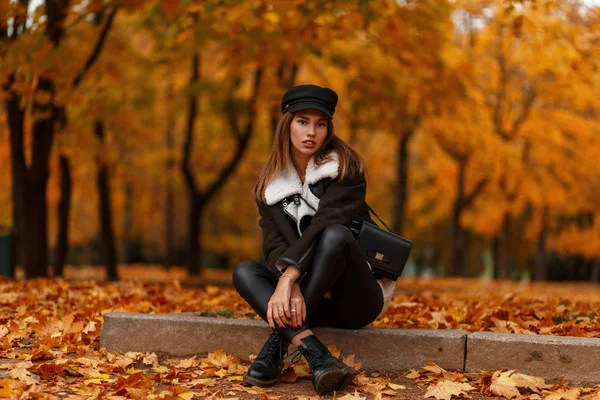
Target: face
(308, 131)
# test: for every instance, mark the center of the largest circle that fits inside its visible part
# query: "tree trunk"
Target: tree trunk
(170, 198)
(505, 256)
(457, 244)
(541, 267)
(194, 234)
(30, 183)
(402, 183)
(62, 243)
(496, 255)
(199, 199)
(126, 239)
(107, 241)
(194, 210)
(34, 239)
(16, 118)
(595, 271)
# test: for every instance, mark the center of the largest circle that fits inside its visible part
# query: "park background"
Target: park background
(132, 132)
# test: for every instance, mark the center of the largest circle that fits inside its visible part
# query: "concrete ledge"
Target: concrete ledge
(186, 334)
(575, 359)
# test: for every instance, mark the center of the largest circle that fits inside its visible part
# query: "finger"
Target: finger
(286, 313)
(278, 316)
(271, 317)
(303, 307)
(278, 320)
(284, 316)
(298, 315)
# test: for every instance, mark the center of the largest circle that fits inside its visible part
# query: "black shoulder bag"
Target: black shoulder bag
(385, 251)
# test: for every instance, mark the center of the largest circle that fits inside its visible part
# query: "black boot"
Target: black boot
(266, 368)
(328, 373)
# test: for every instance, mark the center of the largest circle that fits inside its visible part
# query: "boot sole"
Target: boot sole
(260, 382)
(337, 379)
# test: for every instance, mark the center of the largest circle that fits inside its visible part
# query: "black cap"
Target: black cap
(303, 97)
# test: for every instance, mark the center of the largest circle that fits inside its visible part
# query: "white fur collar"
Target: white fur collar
(288, 182)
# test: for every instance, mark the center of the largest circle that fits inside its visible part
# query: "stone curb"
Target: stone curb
(576, 359)
(187, 334)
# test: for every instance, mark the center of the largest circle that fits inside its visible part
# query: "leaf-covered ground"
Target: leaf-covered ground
(50, 328)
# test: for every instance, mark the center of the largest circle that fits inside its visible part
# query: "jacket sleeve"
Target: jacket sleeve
(274, 244)
(339, 204)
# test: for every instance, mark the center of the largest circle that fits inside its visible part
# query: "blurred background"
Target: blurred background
(132, 131)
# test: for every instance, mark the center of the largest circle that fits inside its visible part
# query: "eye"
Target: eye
(301, 121)
(322, 124)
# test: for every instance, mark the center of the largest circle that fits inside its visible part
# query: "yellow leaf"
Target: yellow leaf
(413, 374)
(221, 373)
(98, 375)
(5, 389)
(188, 363)
(433, 367)
(396, 387)
(354, 396)
(349, 361)
(334, 350)
(132, 371)
(151, 359)
(562, 394)
(444, 390)
(23, 375)
(503, 385)
(529, 382)
(187, 395)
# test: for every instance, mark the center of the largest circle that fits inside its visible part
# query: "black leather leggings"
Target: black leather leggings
(338, 265)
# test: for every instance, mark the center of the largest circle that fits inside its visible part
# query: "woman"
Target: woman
(309, 191)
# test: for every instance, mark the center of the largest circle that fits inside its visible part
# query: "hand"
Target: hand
(297, 303)
(278, 310)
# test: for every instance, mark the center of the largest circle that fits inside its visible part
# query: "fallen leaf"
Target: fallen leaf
(444, 390)
(396, 387)
(289, 375)
(5, 387)
(433, 367)
(151, 359)
(529, 382)
(21, 374)
(353, 396)
(503, 385)
(563, 394)
(351, 362)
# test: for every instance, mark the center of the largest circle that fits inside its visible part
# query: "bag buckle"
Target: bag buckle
(379, 256)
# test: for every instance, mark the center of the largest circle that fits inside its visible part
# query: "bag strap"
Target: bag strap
(380, 220)
(370, 209)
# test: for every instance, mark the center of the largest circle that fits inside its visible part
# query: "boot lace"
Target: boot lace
(272, 348)
(315, 358)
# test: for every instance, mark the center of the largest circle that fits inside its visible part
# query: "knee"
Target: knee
(336, 235)
(243, 272)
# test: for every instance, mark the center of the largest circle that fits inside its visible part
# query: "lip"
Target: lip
(309, 143)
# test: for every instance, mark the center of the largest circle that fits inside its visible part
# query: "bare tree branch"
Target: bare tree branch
(97, 48)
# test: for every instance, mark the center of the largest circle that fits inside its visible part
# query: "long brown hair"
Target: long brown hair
(351, 163)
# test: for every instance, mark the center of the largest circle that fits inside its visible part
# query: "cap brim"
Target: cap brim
(309, 105)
